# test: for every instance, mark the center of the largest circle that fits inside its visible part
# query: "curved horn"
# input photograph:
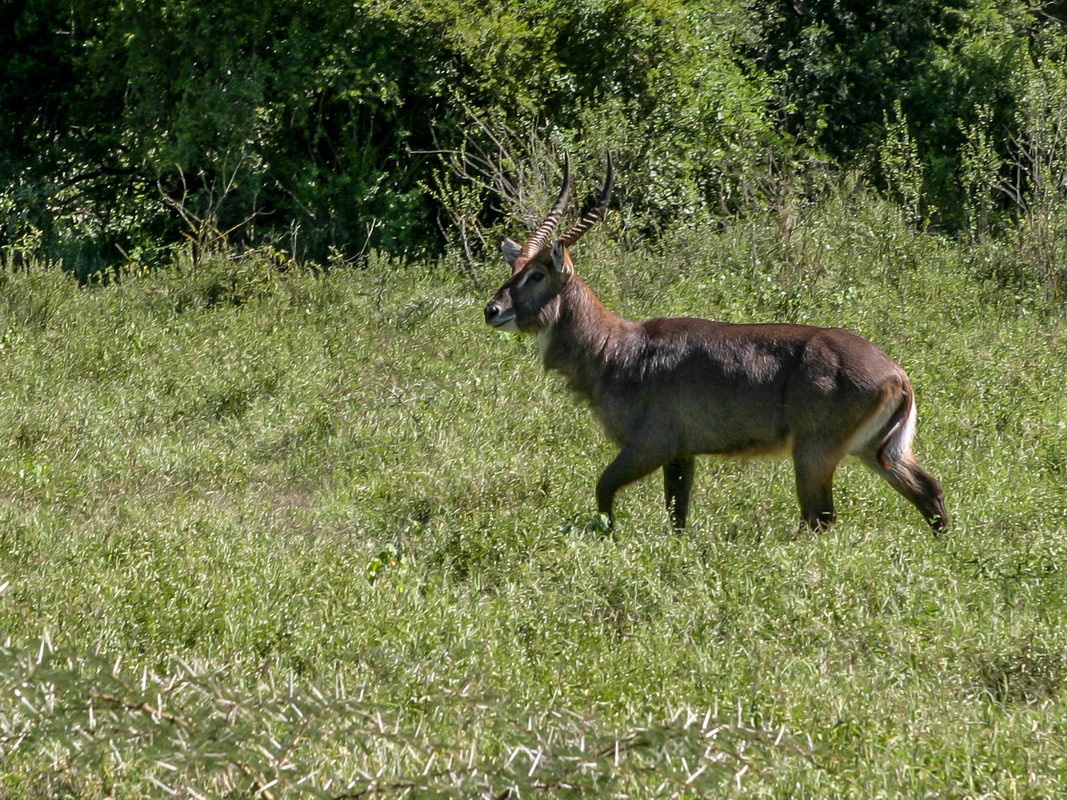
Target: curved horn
(537, 240)
(593, 214)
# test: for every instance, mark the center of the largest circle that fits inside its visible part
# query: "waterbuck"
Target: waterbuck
(667, 390)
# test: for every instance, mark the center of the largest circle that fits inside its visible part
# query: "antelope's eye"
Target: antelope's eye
(536, 276)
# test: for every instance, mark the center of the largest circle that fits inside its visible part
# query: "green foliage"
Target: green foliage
(900, 164)
(389, 125)
(285, 531)
(843, 67)
(1041, 159)
(980, 167)
(315, 126)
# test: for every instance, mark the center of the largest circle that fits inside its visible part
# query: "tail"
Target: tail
(894, 446)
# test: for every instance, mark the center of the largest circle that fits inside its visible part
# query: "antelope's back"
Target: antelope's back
(714, 387)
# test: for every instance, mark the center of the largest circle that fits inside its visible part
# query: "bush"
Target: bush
(318, 126)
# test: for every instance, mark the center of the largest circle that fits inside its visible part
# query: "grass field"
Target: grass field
(269, 533)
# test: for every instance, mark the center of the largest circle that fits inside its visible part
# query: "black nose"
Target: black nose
(491, 311)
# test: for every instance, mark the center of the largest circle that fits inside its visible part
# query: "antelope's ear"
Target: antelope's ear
(561, 262)
(511, 248)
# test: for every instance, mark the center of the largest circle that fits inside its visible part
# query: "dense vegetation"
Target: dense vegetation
(351, 126)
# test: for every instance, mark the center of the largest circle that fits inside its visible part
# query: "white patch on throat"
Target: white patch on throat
(544, 340)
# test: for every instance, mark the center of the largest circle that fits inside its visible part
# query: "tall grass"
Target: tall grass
(267, 533)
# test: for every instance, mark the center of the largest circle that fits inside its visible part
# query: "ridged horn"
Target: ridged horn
(537, 240)
(593, 214)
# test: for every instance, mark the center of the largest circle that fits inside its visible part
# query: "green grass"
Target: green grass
(276, 533)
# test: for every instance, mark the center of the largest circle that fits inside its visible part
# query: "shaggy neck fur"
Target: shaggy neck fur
(581, 338)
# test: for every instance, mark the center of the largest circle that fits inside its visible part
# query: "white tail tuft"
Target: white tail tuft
(888, 432)
(896, 447)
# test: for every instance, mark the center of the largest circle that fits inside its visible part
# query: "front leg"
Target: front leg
(677, 483)
(631, 464)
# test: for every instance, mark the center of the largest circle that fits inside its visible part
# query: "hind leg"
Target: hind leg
(815, 464)
(917, 486)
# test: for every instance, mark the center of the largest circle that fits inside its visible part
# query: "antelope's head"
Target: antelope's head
(529, 301)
